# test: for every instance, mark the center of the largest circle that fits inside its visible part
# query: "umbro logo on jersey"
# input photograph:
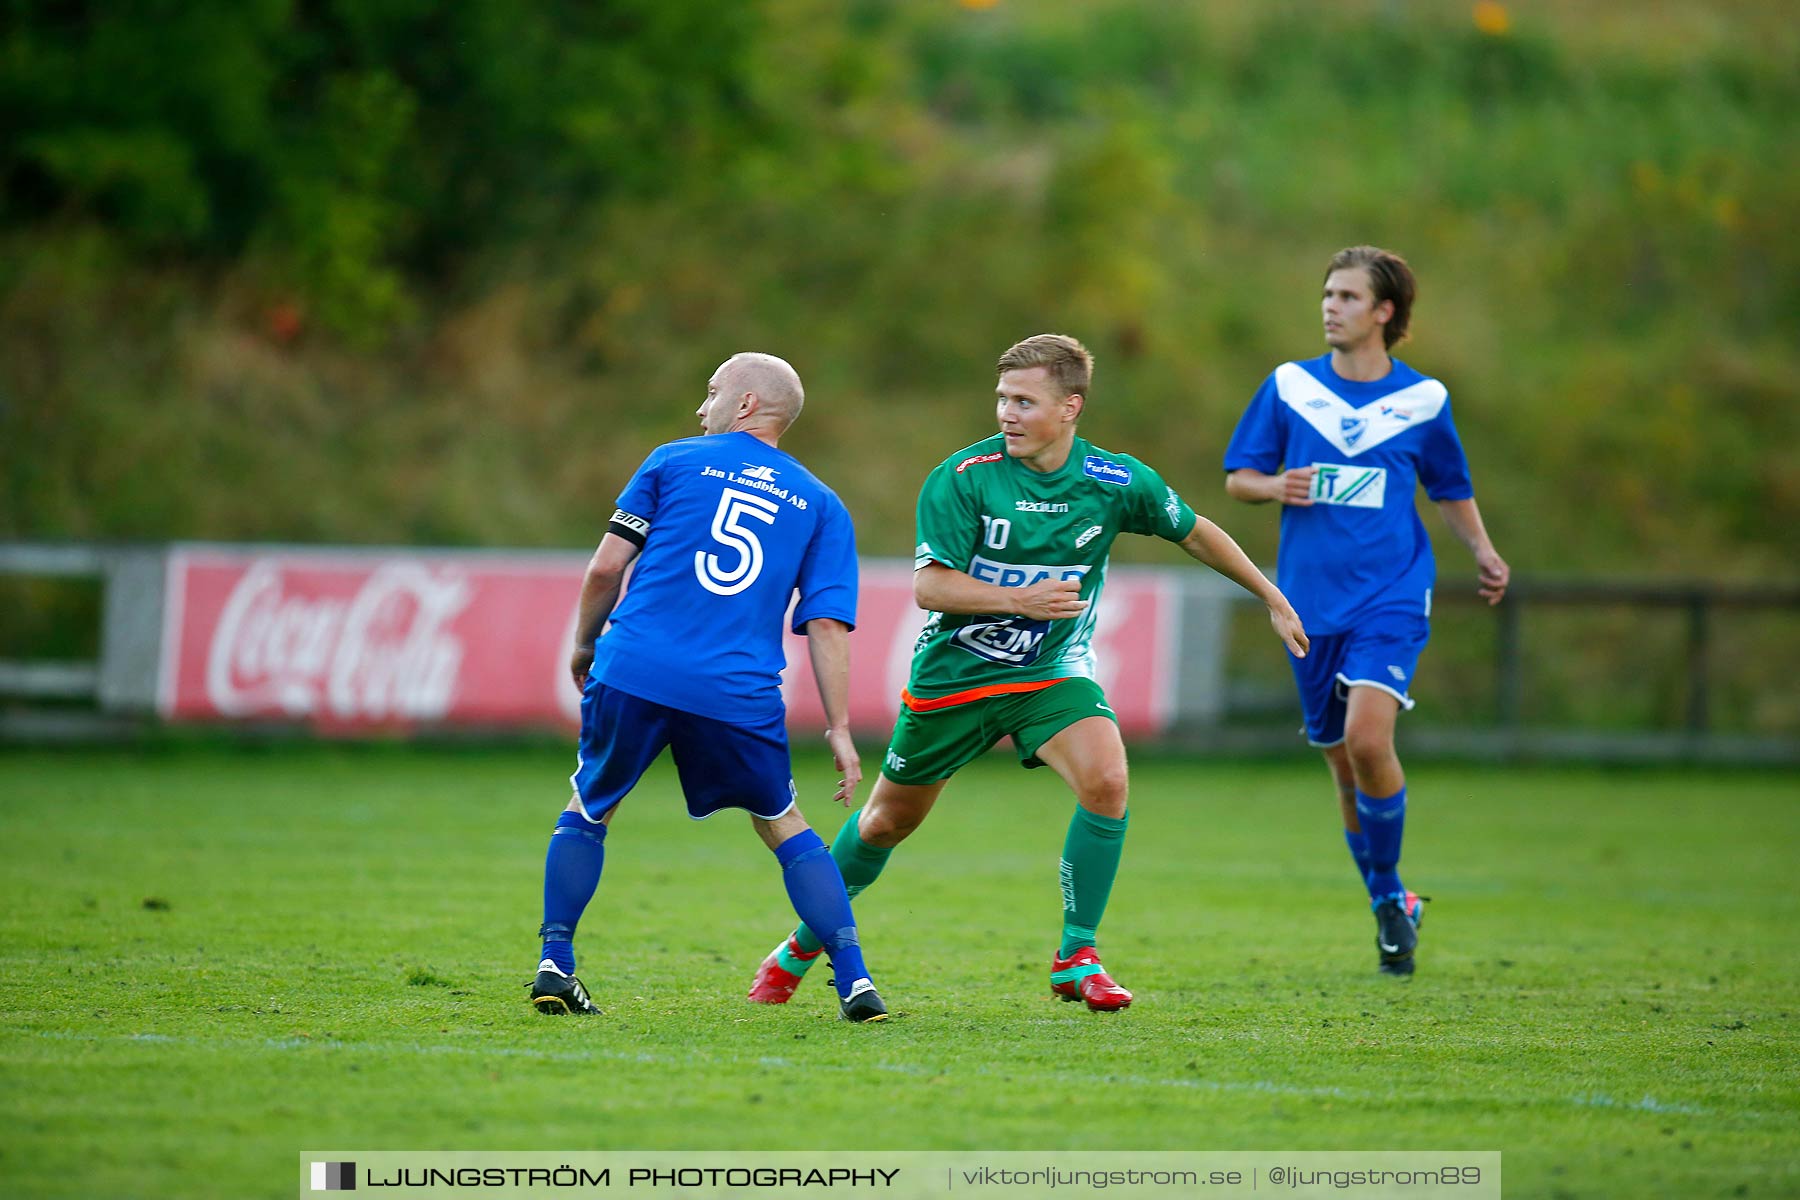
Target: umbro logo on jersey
(1318, 403)
(1397, 673)
(753, 471)
(1089, 534)
(979, 458)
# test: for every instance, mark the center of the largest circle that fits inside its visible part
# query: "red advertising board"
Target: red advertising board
(364, 641)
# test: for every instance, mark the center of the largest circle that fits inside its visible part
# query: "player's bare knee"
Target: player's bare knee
(885, 828)
(1107, 793)
(1369, 750)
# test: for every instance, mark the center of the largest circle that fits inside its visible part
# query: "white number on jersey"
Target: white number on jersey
(995, 531)
(728, 531)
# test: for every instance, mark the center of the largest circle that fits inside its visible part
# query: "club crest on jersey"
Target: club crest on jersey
(1016, 641)
(966, 463)
(1354, 428)
(1089, 534)
(1105, 470)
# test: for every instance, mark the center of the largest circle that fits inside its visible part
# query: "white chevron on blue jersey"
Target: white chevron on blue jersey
(1353, 430)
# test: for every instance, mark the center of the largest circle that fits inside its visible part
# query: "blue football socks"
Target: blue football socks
(1359, 850)
(860, 864)
(816, 888)
(571, 873)
(1383, 821)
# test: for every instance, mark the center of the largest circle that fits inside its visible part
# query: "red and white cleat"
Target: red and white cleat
(1081, 977)
(774, 983)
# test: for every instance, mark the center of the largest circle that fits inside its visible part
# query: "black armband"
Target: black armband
(633, 529)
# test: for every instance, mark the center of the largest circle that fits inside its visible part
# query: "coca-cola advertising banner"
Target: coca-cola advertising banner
(363, 641)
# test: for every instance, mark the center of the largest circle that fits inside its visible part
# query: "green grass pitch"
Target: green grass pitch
(211, 959)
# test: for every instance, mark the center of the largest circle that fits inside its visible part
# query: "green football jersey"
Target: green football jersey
(984, 513)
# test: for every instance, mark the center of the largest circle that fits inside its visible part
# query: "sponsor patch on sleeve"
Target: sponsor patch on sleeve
(1105, 470)
(966, 463)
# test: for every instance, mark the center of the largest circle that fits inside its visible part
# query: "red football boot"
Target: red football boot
(774, 983)
(1081, 977)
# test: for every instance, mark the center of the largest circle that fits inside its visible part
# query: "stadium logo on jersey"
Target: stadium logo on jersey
(1022, 574)
(1016, 641)
(1089, 534)
(1353, 487)
(1353, 428)
(1039, 506)
(1172, 506)
(979, 458)
(1105, 470)
(753, 471)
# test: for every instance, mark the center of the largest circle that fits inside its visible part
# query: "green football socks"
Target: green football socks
(1090, 861)
(861, 865)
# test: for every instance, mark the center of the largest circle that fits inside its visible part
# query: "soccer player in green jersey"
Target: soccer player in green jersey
(1014, 534)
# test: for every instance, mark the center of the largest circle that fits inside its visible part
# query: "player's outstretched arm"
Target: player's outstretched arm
(600, 588)
(937, 588)
(1211, 545)
(1292, 486)
(828, 646)
(1464, 520)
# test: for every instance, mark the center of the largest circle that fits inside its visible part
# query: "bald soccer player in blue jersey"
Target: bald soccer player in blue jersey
(1341, 442)
(725, 529)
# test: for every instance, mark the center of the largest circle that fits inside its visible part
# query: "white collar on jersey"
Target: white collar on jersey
(1353, 430)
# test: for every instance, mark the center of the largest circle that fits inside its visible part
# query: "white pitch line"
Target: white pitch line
(1260, 1086)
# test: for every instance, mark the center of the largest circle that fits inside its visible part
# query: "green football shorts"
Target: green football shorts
(936, 744)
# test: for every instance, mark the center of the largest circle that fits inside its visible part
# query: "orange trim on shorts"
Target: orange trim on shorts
(914, 704)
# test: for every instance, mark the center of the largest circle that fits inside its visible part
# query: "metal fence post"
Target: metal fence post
(1699, 639)
(1509, 669)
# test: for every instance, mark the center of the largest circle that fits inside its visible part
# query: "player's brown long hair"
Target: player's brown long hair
(1391, 280)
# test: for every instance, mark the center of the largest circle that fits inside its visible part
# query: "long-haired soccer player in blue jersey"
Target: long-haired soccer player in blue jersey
(1340, 441)
(725, 528)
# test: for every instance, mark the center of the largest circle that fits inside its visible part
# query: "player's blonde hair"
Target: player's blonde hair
(1070, 365)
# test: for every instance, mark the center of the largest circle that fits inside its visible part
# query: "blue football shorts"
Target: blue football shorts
(1382, 652)
(722, 764)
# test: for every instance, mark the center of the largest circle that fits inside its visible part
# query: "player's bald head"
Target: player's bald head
(772, 380)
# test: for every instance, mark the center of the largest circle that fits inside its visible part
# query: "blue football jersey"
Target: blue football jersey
(733, 527)
(1359, 548)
